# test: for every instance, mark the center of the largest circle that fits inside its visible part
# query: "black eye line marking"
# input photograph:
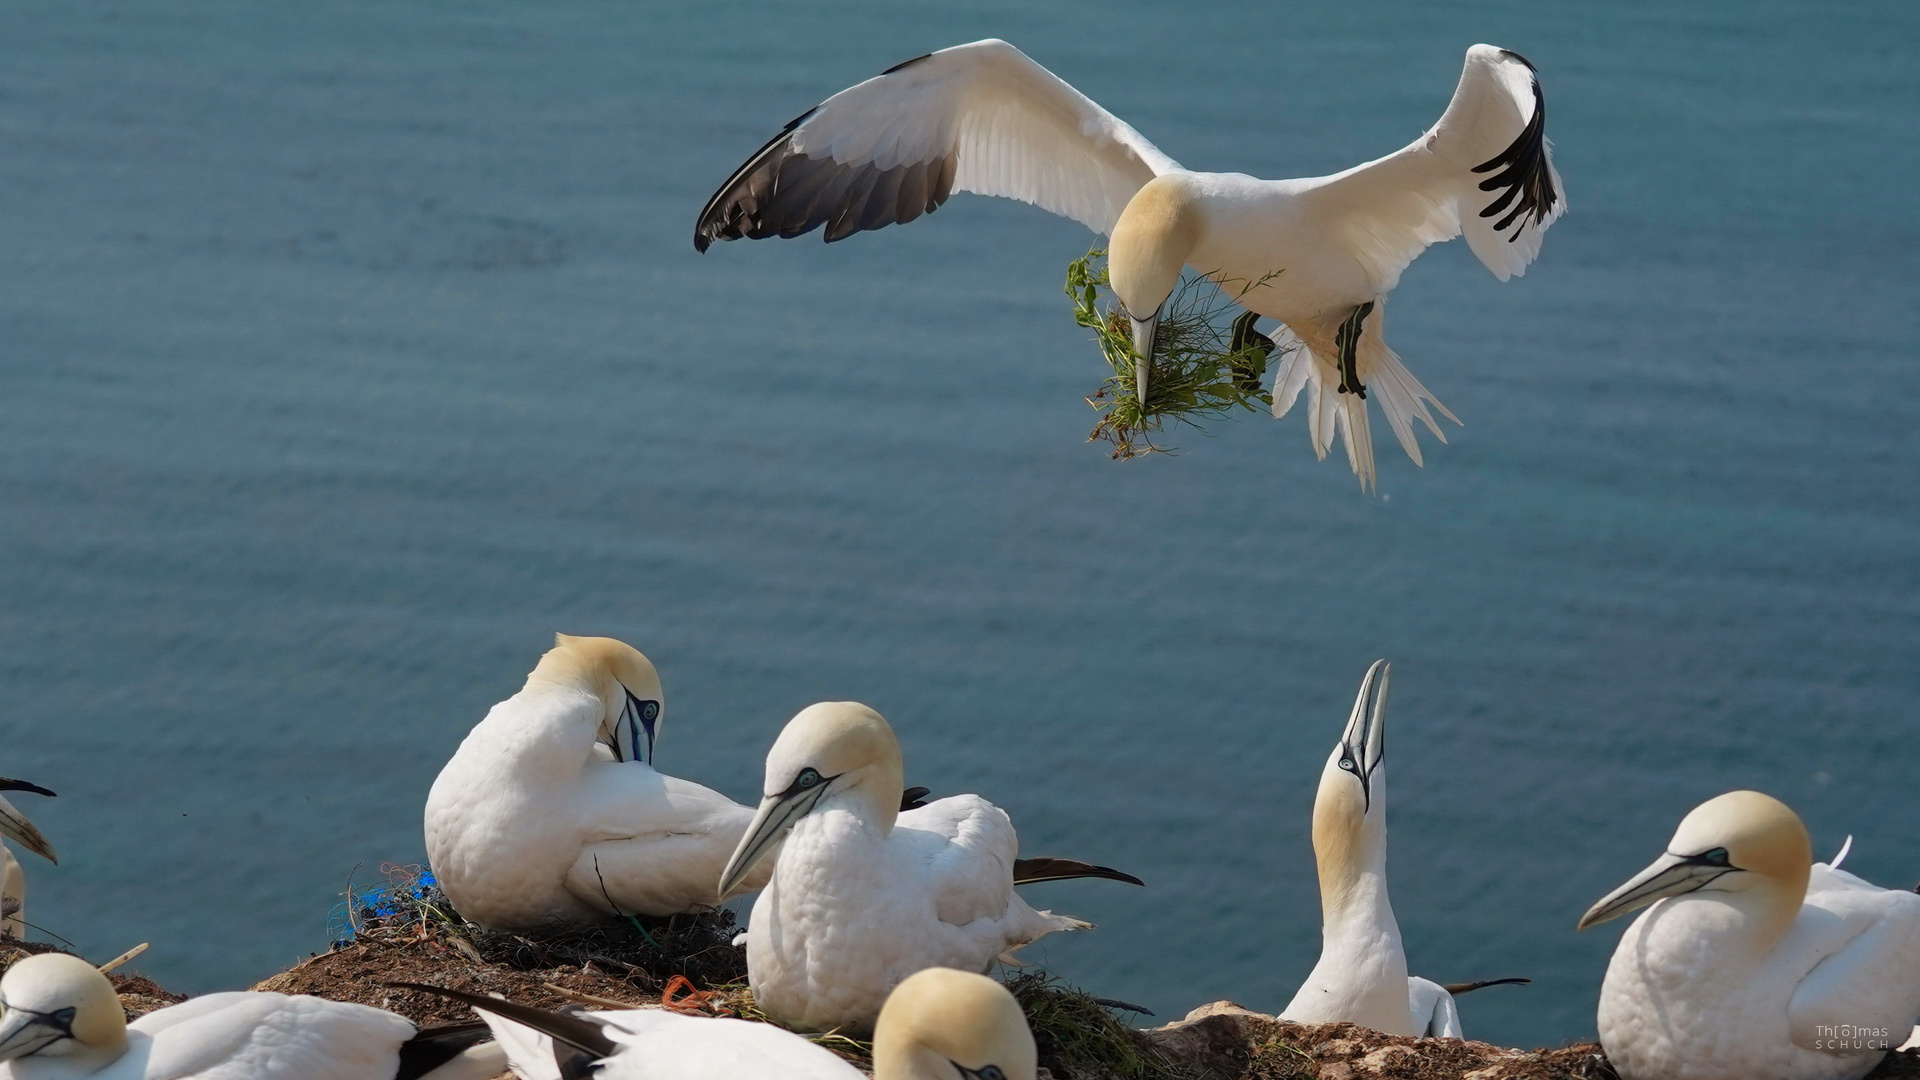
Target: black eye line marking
(808, 779)
(985, 1072)
(634, 715)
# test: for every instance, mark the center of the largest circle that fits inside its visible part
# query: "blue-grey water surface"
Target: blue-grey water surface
(349, 350)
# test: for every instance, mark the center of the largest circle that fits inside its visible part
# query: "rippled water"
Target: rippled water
(349, 350)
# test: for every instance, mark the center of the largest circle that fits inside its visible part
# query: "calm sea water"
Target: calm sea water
(347, 351)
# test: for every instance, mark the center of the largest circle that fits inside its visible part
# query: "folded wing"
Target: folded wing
(1484, 169)
(981, 117)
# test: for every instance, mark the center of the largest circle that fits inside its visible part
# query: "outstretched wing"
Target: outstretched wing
(981, 117)
(1485, 169)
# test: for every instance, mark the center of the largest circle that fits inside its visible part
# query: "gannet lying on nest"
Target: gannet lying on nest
(551, 812)
(13, 880)
(938, 1024)
(864, 895)
(64, 1020)
(1362, 974)
(1753, 963)
(1319, 254)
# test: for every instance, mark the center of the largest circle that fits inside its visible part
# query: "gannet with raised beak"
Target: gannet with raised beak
(1320, 254)
(13, 879)
(551, 812)
(863, 895)
(938, 1024)
(1362, 974)
(1751, 962)
(62, 1019)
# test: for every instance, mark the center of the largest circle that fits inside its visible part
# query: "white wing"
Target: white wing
(1486, 169)
(1863, 945)
(263, 1036)
(967, 846)
(653, 844)
(981, 117)
(1433, 1009)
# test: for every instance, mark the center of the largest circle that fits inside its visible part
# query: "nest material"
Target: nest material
(1197, 373)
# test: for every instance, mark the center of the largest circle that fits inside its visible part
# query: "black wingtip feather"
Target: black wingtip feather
(1456, 989)
(580, 1034)
(1047, 868)
(1524, 181)
(433, 1047)
(8, 784)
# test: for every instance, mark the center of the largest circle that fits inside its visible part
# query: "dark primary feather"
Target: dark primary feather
(914, 798)
(1456, 989)
(1524, 182)
(576, 1032)
(782, 193)
(433, 1047)
(1047, 868)
(21, 785)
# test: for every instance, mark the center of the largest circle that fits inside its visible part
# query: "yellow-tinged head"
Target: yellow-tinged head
(59, 1006)
(839, 750)
(1157, 231)
(622, 678)
(1740, 842)
(940, 1023)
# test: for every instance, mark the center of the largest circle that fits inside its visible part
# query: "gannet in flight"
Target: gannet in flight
(863, 895)
(1362, 974)
(13, 880)
(1750, 963)
(551, 811)
(938, 1024)
(1320, 254)
(63, 1020)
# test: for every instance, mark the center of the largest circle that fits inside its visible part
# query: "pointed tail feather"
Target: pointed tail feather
(1401, 397)
(1047, 868)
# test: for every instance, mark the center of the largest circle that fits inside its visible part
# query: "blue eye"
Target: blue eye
(1346, 763)
(809, 777)
(649, 711)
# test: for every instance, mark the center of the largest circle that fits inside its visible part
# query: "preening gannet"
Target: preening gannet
(551, 811)
(63, 1020)
(1362, 974)
(863, 895)
(939, 1024)
(1320, 254)
(13, 880)
(1752, 963)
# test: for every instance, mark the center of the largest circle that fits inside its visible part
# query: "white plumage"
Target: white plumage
(939, 1024)
(1361, 976)
(1750, 962)
(64, 1021)
(1320, 254)
(550, 813)
(863, 895)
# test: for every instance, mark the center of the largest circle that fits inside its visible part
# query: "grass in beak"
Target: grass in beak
(1197, 375)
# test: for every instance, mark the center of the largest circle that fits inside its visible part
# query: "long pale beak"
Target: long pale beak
(636, 727)
(1670, 875)
(1364, 743)
(23, 1032)
(1143, 331)
(776, 817)
(15, 826)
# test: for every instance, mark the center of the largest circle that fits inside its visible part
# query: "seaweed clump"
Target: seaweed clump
(1206, 364)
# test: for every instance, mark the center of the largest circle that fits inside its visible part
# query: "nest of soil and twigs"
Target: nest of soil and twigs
(403, 930)
(1207, 364)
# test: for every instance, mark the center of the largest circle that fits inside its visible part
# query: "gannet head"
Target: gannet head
(1157, 231)
(1350, 809)
(941, 1023)
(836, 751)
(57, 1006)
(15, 826)
(1740, 842)
(622, 678)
